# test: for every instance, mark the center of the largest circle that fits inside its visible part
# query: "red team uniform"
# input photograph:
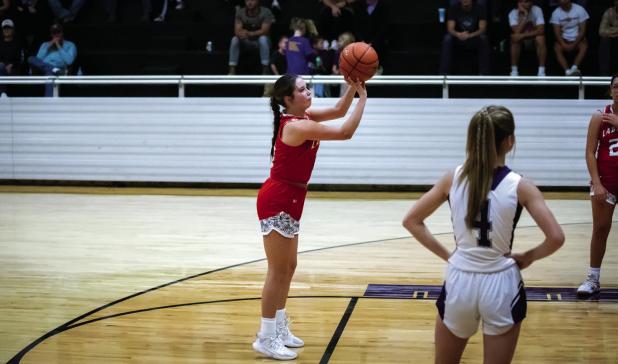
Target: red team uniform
(607, 155)
(281, 199)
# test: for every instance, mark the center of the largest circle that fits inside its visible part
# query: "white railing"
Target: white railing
(445, 81)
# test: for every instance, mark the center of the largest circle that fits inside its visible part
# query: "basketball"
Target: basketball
(358, 61)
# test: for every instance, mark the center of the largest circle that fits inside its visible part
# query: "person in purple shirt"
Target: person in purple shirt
(299, 50)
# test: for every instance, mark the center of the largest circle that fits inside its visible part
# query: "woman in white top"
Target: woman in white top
(483, 282)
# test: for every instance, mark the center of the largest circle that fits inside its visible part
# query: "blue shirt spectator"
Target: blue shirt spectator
(60, 55)
(54, 57)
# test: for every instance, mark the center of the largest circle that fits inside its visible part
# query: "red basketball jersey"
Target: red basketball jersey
(607, 152)
(293, 164)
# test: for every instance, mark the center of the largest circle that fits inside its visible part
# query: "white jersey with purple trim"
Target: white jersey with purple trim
(482, 248)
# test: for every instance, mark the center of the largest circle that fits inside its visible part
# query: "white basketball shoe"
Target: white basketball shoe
(288, 339)
(589, 287)
(273, 347)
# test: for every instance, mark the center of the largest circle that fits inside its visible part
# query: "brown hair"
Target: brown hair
(488, 128)
(284, 86)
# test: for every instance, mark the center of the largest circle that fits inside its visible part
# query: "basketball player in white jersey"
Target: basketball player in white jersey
(483, 282)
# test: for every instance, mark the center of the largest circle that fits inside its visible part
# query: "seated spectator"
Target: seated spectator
(336, 17)
(179, 5)
(66, 15)
(321, 65)
(569, 22)
(528, 25)
(608, 31)
(11, 53)
(466, 25)
(372, 25)
(299, 51)
(54, 57)
(343, 41)
(278, 63)
(251, 29)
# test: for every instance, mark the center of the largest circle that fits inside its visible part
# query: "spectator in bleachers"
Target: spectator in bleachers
(372, 25)
(178, 5)
(251, 30)
(112, 14)
(63, 14)
(299, 51)
(321, 65)
(466, 26)
(343, 41)
(278, 63)
(54, 57)
(528, 25)
(336, 17)
(11, 53)
(608, 31)
(569, 22)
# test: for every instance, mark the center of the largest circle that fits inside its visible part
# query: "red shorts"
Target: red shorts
(283, 201)
(609, 176)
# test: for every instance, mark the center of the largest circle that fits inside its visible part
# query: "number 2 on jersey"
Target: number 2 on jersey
(613, 147)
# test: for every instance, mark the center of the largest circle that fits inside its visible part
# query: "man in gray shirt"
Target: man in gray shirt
(251, 29)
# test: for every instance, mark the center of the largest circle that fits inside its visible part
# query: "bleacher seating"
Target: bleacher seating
(177, 46)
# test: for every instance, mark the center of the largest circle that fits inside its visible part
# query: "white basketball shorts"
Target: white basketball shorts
(498, 299)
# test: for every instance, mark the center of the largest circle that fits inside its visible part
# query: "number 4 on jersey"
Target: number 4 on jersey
(484, 226)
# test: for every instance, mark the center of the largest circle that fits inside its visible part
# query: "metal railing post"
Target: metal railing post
(444, 88)
(181, 88)
(582, 89)
(55, 88)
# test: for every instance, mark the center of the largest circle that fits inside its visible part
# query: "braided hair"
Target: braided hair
(283, 87)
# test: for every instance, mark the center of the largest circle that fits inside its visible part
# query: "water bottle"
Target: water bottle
(441, 14)
(209, 47)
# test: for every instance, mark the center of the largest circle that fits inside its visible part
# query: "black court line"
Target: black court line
(17, 358)
(335, 339)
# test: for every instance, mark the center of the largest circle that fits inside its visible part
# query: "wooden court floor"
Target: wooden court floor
(138, 276)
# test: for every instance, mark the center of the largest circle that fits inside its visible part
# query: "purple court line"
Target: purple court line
(541, 294)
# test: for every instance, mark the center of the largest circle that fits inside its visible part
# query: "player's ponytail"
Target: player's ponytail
(284, 86)
(277, 121)
(486, 132)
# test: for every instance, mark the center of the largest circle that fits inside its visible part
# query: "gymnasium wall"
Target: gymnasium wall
(227, 140)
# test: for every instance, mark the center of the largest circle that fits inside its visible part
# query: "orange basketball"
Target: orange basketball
(358, 61)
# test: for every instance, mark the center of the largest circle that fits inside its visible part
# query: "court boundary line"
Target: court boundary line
(64, 327)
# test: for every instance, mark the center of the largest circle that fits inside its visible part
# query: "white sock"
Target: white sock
(595, 272)
(573, 67)
(268, 327)
(280, 315)
(542, 69)
(514, 69)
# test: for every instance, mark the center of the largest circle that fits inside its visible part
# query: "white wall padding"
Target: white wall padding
(227, 140)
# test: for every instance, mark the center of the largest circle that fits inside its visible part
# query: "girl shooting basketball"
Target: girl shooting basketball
(483, 281)
(297, 133)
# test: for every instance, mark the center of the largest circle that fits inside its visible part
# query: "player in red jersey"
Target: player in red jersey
(297, 133)
(602, 161)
